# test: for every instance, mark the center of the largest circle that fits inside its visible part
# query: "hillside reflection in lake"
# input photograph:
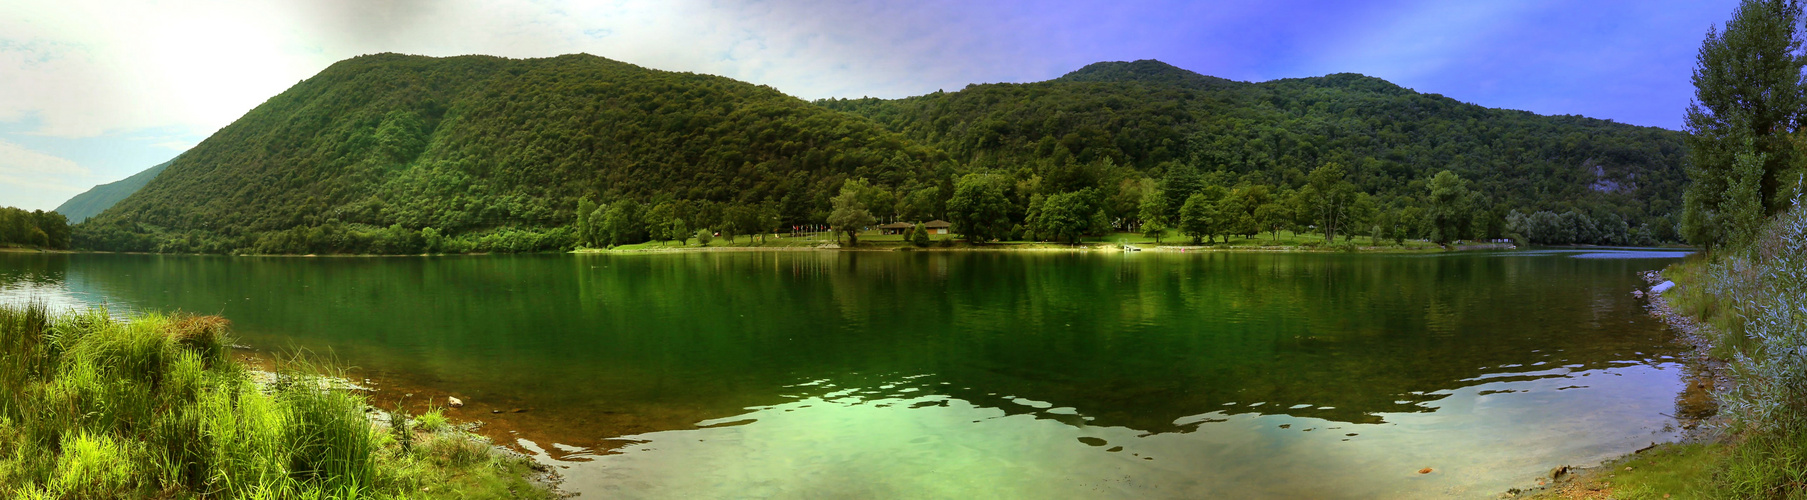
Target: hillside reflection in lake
(975, 374)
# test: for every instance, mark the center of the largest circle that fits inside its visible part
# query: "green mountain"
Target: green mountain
(399, 154)
(102, 197)
(1149, 116)
(494, 151)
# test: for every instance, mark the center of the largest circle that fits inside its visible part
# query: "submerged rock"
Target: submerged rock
(454, 402)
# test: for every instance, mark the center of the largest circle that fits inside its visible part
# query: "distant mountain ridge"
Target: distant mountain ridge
(1145, 71)
(1150, 115)
(99, 198)
(479, 146)
(373, 151)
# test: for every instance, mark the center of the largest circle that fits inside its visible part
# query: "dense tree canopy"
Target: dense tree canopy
(1749, 101)
(1145, 119)
(36, 229)
(477, 147)
(405, 154)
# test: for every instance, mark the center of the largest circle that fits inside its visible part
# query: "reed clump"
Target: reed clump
(155, 407)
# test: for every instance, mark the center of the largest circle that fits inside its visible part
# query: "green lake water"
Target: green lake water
(973, 374)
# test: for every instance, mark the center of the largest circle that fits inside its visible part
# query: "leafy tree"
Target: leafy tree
(1197, 216)
(586, 231)
(877, 199)
(921, 204)
(769, 219)
(37, 228)
(1153, 211)
(1272, 216)
(1066, 216)
(664, 224)
(1240, 206)
(622, 224)
(850, 215)
(1182, 180)
(1406, 223)
(978, 208)
(703, 236)
(742, 219)
(1328, 195)
(919, 236)
(1748, 99)
(1449, 207)
(1125, 203)
(432, 241)
(1742, 209)
(677, 230)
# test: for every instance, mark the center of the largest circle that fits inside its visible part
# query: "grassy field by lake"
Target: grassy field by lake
(872, 240)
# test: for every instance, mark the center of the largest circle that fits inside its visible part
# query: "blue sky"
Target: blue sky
(92, 91)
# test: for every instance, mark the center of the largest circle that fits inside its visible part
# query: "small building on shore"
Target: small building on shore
(937, 226)
(895, 228)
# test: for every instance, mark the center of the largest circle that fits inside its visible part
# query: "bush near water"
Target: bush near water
(1754, 299)
(154, 407)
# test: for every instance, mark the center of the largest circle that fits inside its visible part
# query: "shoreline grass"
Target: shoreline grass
(154, 407)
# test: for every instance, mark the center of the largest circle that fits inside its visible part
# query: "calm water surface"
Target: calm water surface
(974, 375)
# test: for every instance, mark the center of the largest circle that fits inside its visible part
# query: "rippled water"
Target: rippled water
(974, 375)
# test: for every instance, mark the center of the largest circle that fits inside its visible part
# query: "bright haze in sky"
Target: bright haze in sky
(94, 91)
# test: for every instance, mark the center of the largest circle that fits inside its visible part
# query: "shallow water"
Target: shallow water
(975, 375)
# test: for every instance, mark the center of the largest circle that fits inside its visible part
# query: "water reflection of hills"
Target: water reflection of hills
(1148, 341)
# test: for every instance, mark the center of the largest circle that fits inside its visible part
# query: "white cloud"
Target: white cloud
(15, 159)
(30, 179)
(85, 68)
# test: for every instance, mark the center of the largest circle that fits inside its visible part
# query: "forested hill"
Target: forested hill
(1148, 116)
(99, 198)
(401, 154)
(370, 153)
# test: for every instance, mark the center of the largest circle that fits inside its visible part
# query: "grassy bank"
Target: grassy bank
(1282, 241)
(1752, 300)
(155, 407)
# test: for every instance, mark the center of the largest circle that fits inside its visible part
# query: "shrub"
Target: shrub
(432, 421)
(93, 466)
(153, 407)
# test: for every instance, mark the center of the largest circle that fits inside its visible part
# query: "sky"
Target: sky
(92, 91)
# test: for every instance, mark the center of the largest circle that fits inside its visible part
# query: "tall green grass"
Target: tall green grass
(154, 407)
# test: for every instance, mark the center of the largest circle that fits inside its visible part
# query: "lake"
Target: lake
(972, 374)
